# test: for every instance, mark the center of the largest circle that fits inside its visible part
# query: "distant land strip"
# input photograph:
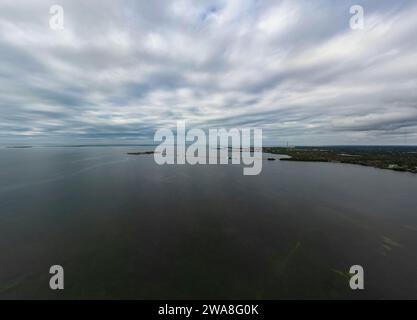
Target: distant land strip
(401, 158)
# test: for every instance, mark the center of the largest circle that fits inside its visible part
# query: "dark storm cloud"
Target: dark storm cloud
(120, 70)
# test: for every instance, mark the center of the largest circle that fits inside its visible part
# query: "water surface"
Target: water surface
(124, 227)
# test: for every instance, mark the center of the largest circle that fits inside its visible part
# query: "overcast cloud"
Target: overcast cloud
(122, 69)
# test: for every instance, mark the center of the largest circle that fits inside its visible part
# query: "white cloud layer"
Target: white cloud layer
(121, 69)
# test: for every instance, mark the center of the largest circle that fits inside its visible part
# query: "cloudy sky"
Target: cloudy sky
(119, 70)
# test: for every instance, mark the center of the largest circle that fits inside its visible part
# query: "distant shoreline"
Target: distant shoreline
(402, 159)
(140, 153)
(18, 147)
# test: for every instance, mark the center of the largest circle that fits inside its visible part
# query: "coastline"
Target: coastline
(390, 159)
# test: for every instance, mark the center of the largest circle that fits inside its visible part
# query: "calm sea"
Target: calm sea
(125, 227)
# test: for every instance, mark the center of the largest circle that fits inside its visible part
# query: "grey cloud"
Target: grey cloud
(120, 70)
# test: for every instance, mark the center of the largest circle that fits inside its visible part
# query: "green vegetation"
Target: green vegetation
(384, 157)
(388, 245)
(344, 274)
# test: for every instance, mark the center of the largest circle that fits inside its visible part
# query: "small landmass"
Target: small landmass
(140, 153)
(18, 147)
